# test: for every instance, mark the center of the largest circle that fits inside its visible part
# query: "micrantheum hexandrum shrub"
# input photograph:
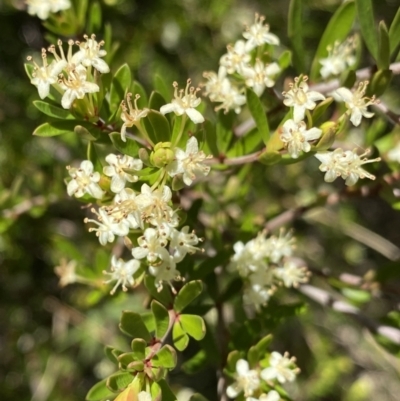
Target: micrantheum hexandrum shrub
(144, 151)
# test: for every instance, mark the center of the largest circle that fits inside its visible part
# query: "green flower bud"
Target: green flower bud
(162, 154)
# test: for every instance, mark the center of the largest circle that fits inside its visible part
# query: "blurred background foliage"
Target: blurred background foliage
(52, 338)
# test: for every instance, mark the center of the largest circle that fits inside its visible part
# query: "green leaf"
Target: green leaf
(208, 266)
(233, 289)
(130, 147)
(263, 344)
(348, 79)
(196, 363)
(126, 358)
(394, 34)
(270, 158)
(320, 110)
(55, 128)
(379, 82)
(133, 325)
(232, 359)
(161, 318)
(160, 125)
(338, 28)
(179, 337)
(367, 24)
(257, 111)
(253, 356)
(193, 325)
(53, 111)
(162, 87)
(137, 89)
(187, 294)
(164, 296)
(285, 59)
(119, 380)
(138, 347)
(94, 14)
(91, 155)
(177, 127)
(210, 136)
(224, 130)
(119, 87)
(167, 394)
(99, 392)
(384, 47)
(109, 351)
(156, 101)
(295, 28)
(165, 357)
(29, 69)
(148, 320)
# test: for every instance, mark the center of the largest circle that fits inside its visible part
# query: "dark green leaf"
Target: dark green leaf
(161, 318)
(137, 89)
(119, 87)
(160, 125)
(29, 68)
(179, 337)
(224, 130)
(118, 381)
(285, 59)
(99, 392)
(207, 267)
(94, 14)
(91, 155)
(253, 356)
(394, 34)
(196, 362)
(338, 29)
(167, 394)
(165, 357)
(156, 101)
(187, 294)
(193, 325)
(384, 47)
(263, 344)
(257, 111)
(55, 128)
(348, 79)
(109, 351)
(367, 24)
(138, 347)
(133, 325)
(231, 360)
(233, 289)
(52, 111)
(379, 82)
(295, 28)
(210, 136)
(320, 110)
(164, 296)
(129, 147)
(177, 128)
(162, 88)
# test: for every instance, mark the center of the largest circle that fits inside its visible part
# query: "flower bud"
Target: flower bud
(162, 155)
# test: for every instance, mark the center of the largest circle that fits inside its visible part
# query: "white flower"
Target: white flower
(215, 84)
(184, 103)
(125, 207)
(346, 164)
(76, 86)
(116, 170)
(165, 272)
(340, 56)
(394, 154)
(46, 75)
(356, 102)
(84, 180)
(237, 57)
(189, 162)
(231, 97)
(281, 368)
(90, 53)
(183, 242)
(247, 380)
(42, 8)
(297, 137)
(131, 115)
(67, 272)
(300, 98)
(256, 295)
(261, 76)
(291, 274)
(107, 226)
(122, 272)
(259, 34)
(151, 246)
(271, 396)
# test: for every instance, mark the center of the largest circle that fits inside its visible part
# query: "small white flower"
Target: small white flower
(84, 180)
(183, 242)
(291, 274)
(165, 272)
(247, 380)
(259, 34)
(231, 97)
(125, 207)
(46, 75)
(340, 57)
(184, 102)
(189, 162)
(76, 86)
(271, 396)
(356, 102)
(256, 295)
(215, 84)
(131, 115)
(67, 272)
(300, 98)
(90, 53)
(122, 272)
(59, 5)
(42, 8)
(346, 164)
(261, 76)
(116, 170)
(151, 246)
(297, 137)
(281, 368)
(237, 57)
(107, 226)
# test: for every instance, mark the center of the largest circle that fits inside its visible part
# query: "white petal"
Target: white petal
(168, 108)
(101, 65)
(242, 367)
(232, 391)
(356, 116)
(67, 99)
(345, 94)
(117, 184)
(72, 187)
(195, 115)
(268, 374)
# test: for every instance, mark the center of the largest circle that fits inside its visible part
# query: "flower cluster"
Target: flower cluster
(43, 8)
(246, 64)
(253, 382)
(265, 263)
(341, 55)
(70, 74)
